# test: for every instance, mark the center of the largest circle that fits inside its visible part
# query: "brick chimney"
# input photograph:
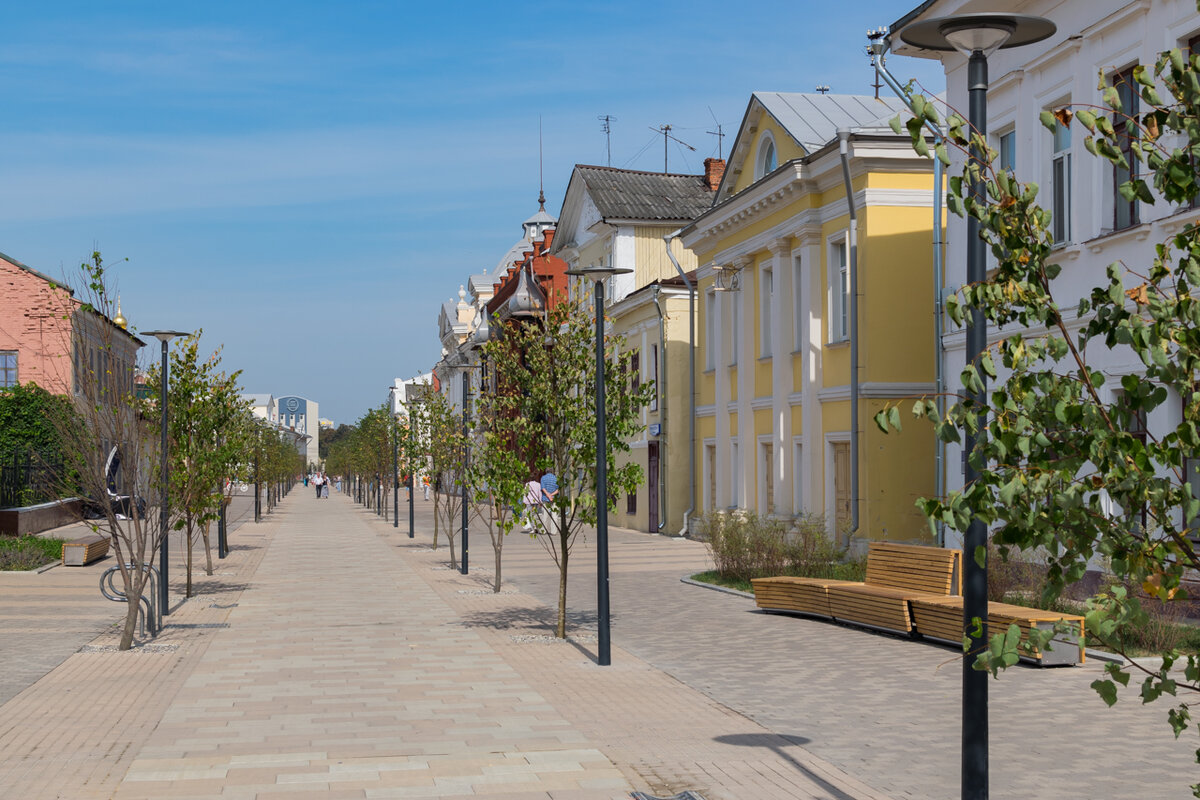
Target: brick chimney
(714, 170)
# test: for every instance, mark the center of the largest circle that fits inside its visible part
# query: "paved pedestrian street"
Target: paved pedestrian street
(333, 656)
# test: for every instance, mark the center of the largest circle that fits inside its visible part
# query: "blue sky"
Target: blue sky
(308, 181)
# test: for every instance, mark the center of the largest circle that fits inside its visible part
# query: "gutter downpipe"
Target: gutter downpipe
(844, 152)
(878, 60)
(662, 408)
(691, 380)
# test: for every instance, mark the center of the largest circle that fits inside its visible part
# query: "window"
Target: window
(1008, 151)
(631, 503)
(839, 305)
(635, 369)
(767, 477)
(798, 315)
(1134, 421)
(766, 288)
(710, 330)
(1125, 212)
(1060, 179)
(653, 365)
(767, 160)
(8, 368)
(710, 470)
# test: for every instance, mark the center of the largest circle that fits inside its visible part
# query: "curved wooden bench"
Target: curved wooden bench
(795, 595)
(895, 573)
(941, 618)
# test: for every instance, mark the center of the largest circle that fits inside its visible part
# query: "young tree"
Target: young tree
(548, 370)
(441, 433)
(118, 431)
(203, 407)
(1064, 470)
(496, 473)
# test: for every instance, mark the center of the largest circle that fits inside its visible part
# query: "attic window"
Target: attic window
(767, 160)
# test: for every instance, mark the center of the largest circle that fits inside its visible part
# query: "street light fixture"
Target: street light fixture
(598, 274)
(395, 459)
(976, 36)
(164, 337)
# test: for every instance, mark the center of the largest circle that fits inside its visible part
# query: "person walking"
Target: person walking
(425, 480)
(533, 502)
(549, 487)
(317, 483)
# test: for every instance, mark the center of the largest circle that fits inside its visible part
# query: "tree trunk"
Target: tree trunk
(207, 549)
(436, 517)
(188, 539)
(134, 586)
(561, 630)
(496, 583)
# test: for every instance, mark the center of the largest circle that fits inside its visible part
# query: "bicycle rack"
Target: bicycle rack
(148, 610)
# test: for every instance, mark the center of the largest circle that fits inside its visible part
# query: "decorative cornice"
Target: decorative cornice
(877, 390)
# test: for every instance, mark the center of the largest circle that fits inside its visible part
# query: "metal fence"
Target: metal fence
(27, 479)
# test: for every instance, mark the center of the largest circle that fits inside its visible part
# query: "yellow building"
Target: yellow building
(620, 217)
(773, 359)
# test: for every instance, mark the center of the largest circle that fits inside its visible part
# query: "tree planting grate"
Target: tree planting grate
(688, 795)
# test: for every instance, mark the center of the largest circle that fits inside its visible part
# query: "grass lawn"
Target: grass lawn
(28, 552)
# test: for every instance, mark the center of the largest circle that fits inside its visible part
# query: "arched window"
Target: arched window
(767, 159)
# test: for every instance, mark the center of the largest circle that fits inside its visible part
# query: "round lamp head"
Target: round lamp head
(978, 33)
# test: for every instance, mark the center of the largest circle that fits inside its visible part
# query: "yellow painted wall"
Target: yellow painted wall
(651, 255)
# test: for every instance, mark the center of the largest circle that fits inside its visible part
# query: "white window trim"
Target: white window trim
(735, 475)
(838, 325)
(799, 311)
(764, 464)
(710, 330)
(832, 438)
(708, 471)
(798, 472)
(760, 168)
(1055, 157)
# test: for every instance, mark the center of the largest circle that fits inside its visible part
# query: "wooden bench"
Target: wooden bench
(84, 550)
(895, 572)
(941, 618)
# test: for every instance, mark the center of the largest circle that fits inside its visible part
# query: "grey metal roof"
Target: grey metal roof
(813, 119)
(512, 255)
(630, 194)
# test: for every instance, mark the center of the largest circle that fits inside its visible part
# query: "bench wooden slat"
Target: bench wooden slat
(84, 550)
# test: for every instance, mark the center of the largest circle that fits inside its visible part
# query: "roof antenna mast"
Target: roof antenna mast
(719, 133)
(665, 130)
(606, 121)
(541, 191)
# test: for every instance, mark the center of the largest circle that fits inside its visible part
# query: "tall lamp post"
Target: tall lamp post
(976, 36)
(475, 341)
(395, 460)
(597, 274)
(164, 519)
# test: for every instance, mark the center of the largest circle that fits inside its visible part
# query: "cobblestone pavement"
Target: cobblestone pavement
(334, 656)
(879, 707)
(45, 617)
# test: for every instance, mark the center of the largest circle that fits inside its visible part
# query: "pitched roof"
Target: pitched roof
(813, 119)
(631, 194)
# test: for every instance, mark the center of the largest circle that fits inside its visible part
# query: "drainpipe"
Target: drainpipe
(844, 150)
(662, 408)
(878, 51)
(691, 381)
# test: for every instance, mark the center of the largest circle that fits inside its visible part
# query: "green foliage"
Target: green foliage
(31, 420)
(328, 438)
(28, 552)
(1063, 469)
(546, 374)
(744, 545)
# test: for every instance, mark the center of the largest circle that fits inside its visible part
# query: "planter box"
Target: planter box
(35, 519)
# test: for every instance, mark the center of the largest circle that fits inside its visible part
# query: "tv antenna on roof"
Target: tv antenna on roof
(822, 89)
(719, 133)
(606, 125)
(665, 130)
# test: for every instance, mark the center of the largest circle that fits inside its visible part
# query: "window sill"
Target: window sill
(1138, 233)
(767, 357)
(837, 344)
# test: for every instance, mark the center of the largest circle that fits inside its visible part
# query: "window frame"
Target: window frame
(1122, 80)
(839, 289)
(761, 167)
(766, 291)
(1060, 183)
(8, 380)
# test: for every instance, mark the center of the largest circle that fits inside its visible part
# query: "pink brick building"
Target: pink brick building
(48, 339)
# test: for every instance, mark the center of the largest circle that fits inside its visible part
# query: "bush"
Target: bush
(745, 546)
(28, 552)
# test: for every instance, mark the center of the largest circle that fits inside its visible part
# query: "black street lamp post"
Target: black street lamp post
(598, 274)
(466, 399)
(976, 36)
(395, 460)
(164, 519)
